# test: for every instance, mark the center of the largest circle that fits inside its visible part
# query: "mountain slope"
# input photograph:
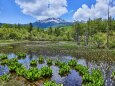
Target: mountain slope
(51, 22)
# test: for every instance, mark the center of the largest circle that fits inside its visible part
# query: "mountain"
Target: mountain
(51, 22)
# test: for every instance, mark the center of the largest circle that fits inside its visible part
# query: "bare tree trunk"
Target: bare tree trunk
(87, 33)
(108, 26)
(86, 38)
(78, 38)
(77, 33)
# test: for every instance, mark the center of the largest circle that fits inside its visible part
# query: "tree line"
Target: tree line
(93, 33)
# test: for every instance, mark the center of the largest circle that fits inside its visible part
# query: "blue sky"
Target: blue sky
(10, 12)
(25, 11)
(73, 5)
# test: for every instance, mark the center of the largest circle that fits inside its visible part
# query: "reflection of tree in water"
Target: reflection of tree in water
(109, 68)
(105, 63)
(30, 55)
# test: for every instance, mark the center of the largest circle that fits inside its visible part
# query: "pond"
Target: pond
(91, 59)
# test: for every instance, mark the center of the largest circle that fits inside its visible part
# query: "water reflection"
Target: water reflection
(3, 70)
(73, 79)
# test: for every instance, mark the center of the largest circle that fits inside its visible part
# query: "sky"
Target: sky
(25, 11)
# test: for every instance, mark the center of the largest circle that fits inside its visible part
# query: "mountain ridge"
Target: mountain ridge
(46, 23)
(51, 22)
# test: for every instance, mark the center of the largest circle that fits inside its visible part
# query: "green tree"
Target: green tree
(6, 26)
(50, 31)
(30, 28)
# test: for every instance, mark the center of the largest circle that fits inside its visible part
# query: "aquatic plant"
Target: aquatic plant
(49, 61)
(20, 71)
(5, 77)
(87, 78)
(57, 63)
(52, 83)
(41, 59)
(98, 77)
(8, 61)
(20, 54)
(46, 72)
(33, 62)
(4, 62)
(113, 52)
(93, 79)
(13, 66)
(82, 69)
(72, 63)
(64, 70)
(13, 60)
(60, 64)
(32, 74)
(3, 56)
(113, 75)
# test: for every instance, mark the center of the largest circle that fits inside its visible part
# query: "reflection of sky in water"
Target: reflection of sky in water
(82, 61)
(11, 55)
(73, 79)
(3, 70)
(56, 77)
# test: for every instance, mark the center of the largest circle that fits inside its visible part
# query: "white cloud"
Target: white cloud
(100, 9)
(42, 9)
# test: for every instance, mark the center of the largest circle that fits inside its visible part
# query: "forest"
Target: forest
(97, 33)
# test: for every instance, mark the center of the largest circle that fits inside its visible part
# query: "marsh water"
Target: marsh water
(101, 59)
